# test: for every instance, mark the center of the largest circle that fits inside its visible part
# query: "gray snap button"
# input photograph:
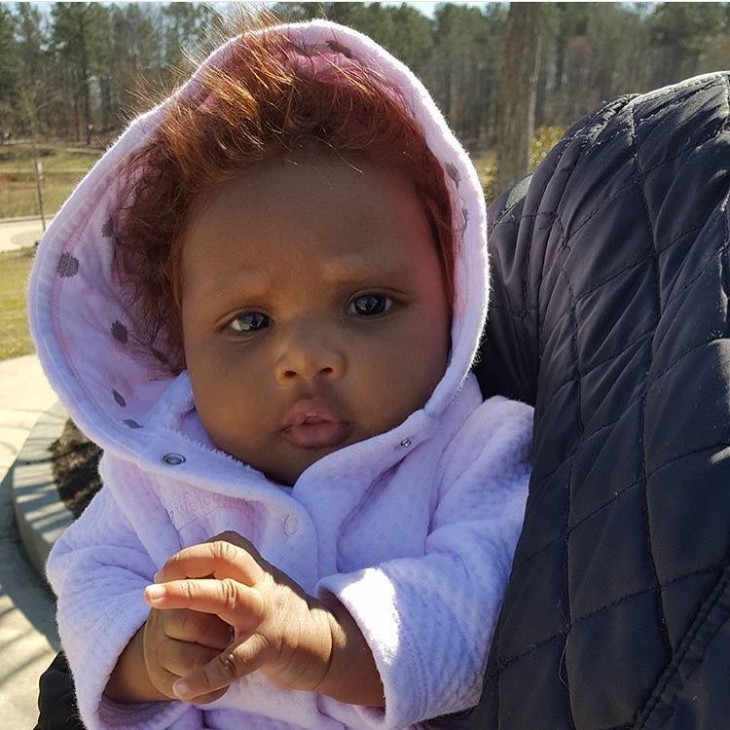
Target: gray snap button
(405, 443)
(173, 459)
(291, 525)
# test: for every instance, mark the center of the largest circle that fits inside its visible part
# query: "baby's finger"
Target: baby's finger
(221, 559)
(238, 605)
(198, 628)
(235, 539)
(221, 671)
(179, 658)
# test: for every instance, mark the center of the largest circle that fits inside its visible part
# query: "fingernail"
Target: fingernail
(156, 576)
(181, 689)
(154, 593)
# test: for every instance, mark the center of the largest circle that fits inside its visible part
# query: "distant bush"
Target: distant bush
(544, 140)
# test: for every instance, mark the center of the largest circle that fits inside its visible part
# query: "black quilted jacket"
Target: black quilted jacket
(610, 313)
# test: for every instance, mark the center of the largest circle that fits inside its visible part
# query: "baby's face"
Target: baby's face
(313, 310)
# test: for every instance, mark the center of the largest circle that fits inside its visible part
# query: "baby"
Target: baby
(263, 303)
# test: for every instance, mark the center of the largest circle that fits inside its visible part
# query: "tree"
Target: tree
(191, 31)
(31, 41)
(9, 70)
(518, 88)
(680, 33)
(136, 69)
(464, 69)
(79, 32)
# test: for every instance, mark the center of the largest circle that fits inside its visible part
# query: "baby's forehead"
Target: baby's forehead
(350, 215)
(304, 181)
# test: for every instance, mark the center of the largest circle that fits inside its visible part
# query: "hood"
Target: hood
(85, 335)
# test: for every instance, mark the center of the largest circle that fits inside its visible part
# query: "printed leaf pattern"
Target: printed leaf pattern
(68, 265)
(453, 173)
(119, 332)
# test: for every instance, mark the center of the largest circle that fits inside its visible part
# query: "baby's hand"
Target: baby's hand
(277, 627)
(180, 641)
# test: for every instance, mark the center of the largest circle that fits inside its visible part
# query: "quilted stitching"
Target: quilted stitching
(640, 180)
(610, 304)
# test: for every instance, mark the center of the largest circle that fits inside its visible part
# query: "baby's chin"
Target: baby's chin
(287, 471)
(288, 474)
(289, 461)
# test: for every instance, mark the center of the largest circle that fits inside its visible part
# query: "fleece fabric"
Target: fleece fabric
(609, 311)
(412, 530)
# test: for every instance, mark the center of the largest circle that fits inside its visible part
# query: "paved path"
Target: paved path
(20, 233)
(28, 639)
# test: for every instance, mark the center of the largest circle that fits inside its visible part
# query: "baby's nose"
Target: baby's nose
(311, 355)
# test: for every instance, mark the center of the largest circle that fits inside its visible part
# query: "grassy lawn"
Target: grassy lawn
(63, 167)
(14, 337)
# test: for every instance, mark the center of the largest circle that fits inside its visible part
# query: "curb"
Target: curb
(40, 514)
(27, 218)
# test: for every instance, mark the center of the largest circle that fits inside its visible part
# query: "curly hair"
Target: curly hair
(267, 96)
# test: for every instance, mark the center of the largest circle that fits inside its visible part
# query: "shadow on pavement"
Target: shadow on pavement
(28, 637)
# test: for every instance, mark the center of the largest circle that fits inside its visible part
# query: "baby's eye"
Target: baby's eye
(369, 305)
(249, 322)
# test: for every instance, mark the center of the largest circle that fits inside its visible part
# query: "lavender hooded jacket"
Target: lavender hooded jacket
(412, 530)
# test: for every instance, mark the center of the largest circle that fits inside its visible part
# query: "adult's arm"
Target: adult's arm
(612, 270)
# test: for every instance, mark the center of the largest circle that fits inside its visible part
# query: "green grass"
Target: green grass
(18, 157)
(14, 336)
(63, 167)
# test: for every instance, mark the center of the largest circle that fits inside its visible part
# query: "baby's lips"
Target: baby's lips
(311, 410)
(317, 434)
(314, 424)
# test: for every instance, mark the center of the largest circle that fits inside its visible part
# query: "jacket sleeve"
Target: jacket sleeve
(98, 570)
(429, 620)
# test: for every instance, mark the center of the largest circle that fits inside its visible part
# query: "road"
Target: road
(18, 233)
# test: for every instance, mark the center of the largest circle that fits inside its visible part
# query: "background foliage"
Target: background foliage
(78, 71)
(73, 74)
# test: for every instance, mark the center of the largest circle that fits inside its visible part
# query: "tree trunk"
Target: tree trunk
(517, 93)
(85, 77)
(77, 118)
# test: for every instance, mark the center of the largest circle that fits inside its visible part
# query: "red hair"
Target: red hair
(269, 96)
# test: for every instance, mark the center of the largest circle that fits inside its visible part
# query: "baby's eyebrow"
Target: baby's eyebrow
(340, 271)
(254, 283)
(354, 267)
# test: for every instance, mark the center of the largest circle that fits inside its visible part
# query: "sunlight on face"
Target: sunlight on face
(313, 309)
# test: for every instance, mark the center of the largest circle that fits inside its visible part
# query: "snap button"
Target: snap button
(291, 525)
(405, 443)
(173, 459)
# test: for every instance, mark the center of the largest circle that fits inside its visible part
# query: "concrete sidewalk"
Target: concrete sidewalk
(28, 639)
(17, 233)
